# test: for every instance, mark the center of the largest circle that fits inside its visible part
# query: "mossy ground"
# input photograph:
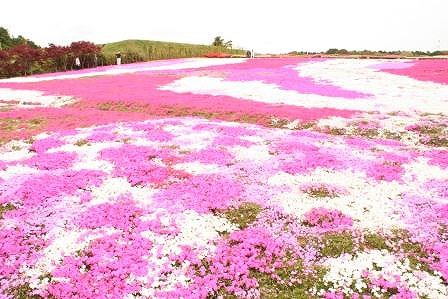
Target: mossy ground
(244, 215)
(4, 208)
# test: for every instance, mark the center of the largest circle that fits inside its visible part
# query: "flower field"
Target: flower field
(226, 178)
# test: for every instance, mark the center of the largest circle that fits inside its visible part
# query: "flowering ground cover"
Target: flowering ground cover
(224, 178)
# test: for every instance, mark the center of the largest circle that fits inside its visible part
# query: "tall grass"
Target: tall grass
(144, 50)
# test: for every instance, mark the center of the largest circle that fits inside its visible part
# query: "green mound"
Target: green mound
(143, 50)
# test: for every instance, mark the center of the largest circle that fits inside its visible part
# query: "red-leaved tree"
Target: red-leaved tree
(86, 51)
(22, 60)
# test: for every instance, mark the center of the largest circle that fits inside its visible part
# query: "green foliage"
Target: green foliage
(304, 282)
(82, 142)
(244, 215)
(4, 208)
(335, 244)
(321, 192)
(375, 241)
(434, 135)
(5, 39)
(8, 41)
(23, 292)
(218, 41)
(20, 56)
(144, 50)
(332, 51)
(335, 51)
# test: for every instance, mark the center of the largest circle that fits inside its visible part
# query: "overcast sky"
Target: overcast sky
(275, 26)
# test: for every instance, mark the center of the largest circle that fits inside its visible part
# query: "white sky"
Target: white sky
(275, 26)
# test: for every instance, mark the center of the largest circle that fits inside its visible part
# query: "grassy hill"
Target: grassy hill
(143, 50)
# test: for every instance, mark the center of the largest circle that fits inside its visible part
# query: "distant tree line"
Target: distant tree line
(368, 52)
(7, 41)
(335, 51)
(20, 56)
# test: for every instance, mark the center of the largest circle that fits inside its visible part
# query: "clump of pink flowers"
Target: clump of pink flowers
(327, 220)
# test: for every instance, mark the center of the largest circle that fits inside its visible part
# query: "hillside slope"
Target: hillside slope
(138, 50)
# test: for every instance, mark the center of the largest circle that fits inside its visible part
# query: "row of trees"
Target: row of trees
(335, 51)
(7, 41)
(20, 56)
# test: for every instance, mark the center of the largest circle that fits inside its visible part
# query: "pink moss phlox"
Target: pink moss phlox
(210, 155)
(234, 131)
(143, 126)
(202, 193)
(327, 220)
(153, 132)
(121, 214)
(19, 246)
(102, 136)
(385, 172)
(136, 164)
(223, 140)
(252, 249)
(42, 145)
(159, 135)
(333, 295)
(310, 161)
(388, 165)
(437, 186)
(37, 189)
(427, 221)
(438, 157)
(360, 143)
(292, 146)
(283, 72)
(440, 263)
(100, 102)
(287, 229)
(51, 161)
(104, 269)
(435, 70)
(298, 153)
(396, 157)
(367, 125)
(393, 285)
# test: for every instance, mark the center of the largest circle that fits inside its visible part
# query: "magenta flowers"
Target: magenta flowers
(199, 178)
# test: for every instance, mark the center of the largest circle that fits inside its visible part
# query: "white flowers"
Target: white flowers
(199, 231)
(32, 98)
(347, 274)
(384, 92)
(388, 92)
(366, 201)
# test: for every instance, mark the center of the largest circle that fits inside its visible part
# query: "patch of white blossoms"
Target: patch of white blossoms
(345, 275)
(385, 92)
(32, 98)
(365, 201)
(389, 92)
(198, 231)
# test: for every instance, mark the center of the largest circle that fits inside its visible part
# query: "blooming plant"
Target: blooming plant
(198, 178)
